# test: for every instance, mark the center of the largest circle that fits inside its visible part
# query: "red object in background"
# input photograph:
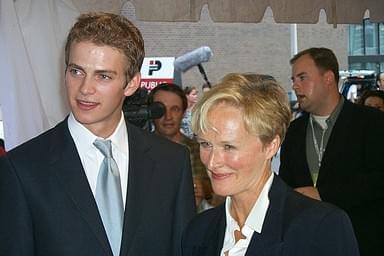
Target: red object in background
(2, 151)
(2, 148)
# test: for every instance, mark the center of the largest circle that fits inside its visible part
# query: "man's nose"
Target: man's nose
(168, 114)
(295, 84)
(87, 86)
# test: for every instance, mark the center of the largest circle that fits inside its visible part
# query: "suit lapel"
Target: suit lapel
(214, 236)
(140, 171)
(270, 241)
(338, 137)
(71, 175)
(302, 145)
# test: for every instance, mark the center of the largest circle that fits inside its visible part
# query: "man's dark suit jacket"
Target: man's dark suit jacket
(294, 225)
(352, 170)
(47, 206)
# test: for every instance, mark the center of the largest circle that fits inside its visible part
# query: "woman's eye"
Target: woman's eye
(229, 147)
(204, 144)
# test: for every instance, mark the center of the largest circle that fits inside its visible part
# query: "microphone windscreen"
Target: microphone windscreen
(193, 58)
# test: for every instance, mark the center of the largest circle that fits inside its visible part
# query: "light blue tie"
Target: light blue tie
(109, 197)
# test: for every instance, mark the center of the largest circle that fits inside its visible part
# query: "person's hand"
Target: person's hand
(310, 192)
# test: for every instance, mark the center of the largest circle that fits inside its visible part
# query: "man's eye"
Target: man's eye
(104, 77)
(75, 72)
(302, 78)
(175, 109)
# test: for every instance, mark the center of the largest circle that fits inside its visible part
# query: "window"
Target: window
(356, 42)
(366, 46)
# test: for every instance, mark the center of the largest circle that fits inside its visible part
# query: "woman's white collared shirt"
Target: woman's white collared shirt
(253, 223)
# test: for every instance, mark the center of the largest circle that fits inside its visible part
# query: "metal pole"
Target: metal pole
(293, 35)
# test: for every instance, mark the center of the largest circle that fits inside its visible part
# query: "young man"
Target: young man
(63, 193)
(333, 151)
(168, 126)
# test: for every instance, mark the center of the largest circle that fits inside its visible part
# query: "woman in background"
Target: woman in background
(192, 96)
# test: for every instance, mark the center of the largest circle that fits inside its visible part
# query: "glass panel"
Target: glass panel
(370, 65)
(375, 66)
(356, 40)
(356, 66)
(381, 38)
(371, 47)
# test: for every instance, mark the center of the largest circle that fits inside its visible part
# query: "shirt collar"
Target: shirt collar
(119, 137)
(335, 113)
(255, 219)
(84, 138)
(333, 117)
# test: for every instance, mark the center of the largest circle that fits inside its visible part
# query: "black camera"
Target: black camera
(137, 110)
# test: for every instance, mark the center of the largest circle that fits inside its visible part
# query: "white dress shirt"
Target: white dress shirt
(91, 158)
(253, 223)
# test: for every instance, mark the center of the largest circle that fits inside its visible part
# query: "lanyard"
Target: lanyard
(319, 150)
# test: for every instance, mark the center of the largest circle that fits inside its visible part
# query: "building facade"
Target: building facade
(263, 47)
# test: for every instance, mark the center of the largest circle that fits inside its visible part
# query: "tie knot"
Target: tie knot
(104, 146)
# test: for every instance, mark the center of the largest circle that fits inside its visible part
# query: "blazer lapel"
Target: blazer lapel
(299, 151)
(214, 237)
(302, 149)
(270, 241)
(338, 137)
(140, 171)
(71, 175)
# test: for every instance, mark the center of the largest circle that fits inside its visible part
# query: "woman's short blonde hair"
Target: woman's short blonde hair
(263, 102)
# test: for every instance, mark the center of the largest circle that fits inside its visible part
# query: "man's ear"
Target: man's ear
(329, 77)
(132, 85)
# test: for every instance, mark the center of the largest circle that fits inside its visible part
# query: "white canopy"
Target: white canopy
(284, 11)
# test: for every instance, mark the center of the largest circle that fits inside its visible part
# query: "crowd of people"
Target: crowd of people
(201, 183)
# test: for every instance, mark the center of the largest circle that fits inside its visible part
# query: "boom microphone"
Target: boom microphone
(202, 72)
(193, 58)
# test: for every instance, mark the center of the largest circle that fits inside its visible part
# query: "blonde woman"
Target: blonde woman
(240, 124)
